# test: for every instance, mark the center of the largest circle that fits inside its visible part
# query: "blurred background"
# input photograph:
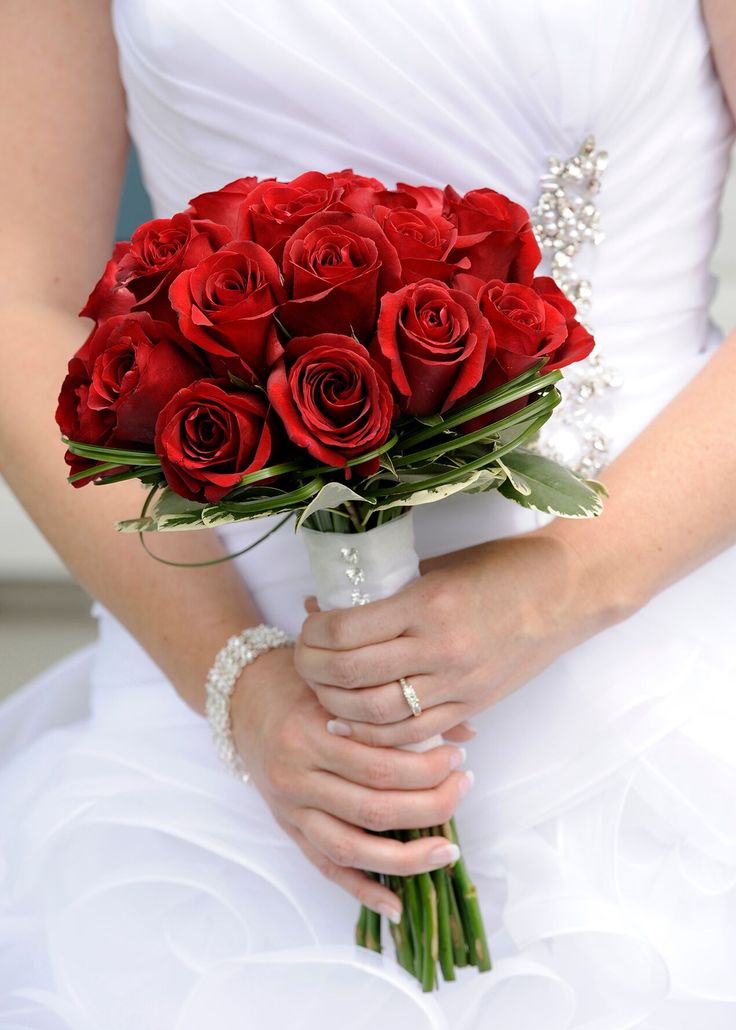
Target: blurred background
(45, 615)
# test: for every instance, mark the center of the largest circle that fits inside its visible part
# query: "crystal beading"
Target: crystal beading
(564, 219)
(229, 662)
(354, 574)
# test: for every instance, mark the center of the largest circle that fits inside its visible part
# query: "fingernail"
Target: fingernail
(470, 727)
(392, 914)
(446, 855)
(457, 757)
(465, 783)
(339, 728)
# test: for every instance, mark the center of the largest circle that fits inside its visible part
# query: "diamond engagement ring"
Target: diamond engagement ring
(411, 696)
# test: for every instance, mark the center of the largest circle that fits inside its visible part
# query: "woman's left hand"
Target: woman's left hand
(476, 625)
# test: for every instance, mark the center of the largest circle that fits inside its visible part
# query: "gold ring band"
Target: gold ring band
(410, 695)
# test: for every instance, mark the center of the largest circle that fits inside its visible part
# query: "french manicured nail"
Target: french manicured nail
(457, 757)
(392, 914)
(445, 855)
(339, 728)
(465, 783)
(470, 727)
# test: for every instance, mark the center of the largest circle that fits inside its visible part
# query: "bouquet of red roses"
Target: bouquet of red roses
(338, 350)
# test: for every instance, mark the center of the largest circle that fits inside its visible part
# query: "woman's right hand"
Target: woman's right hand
(328, 791)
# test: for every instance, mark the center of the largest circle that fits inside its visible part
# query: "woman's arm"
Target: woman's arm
(671, 508)
(63, 156)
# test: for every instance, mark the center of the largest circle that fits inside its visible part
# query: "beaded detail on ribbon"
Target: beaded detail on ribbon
(564, 220)
(354, 574)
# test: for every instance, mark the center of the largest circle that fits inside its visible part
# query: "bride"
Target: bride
(589, 713)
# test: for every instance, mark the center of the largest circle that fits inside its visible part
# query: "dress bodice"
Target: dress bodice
(472, 93)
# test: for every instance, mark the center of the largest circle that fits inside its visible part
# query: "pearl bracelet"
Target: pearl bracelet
(230, 661)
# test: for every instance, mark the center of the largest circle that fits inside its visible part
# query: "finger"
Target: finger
(368, 892)
(345, 628)
(310, 604)
(370, 666)
(347, 846)
(381, 810)
(391, 768)
(413, 730)
(460, 734)
(378, 705)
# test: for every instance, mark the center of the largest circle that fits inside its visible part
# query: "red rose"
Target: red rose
(336, 267)
(226, 306)
(429, 199)
(421, 240)
(359, 193)
(78, 421)
(108, 298)
(135, 365)
(274, 210)
(527, 327)
(159, 250)
(494, 233)
(578, 343)
(332, 398)
(225, 205)
(209, 436)
(435, 342)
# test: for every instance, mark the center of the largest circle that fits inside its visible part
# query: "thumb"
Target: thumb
(310, 604)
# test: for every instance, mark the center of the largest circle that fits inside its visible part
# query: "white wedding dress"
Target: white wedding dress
(143, 888)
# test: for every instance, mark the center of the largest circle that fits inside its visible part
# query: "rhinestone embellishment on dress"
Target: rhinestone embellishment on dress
(564, 219)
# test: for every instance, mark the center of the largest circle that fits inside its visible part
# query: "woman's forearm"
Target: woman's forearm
(180, 616)
(672, 502)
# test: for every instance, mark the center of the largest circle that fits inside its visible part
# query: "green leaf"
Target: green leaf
(481, 479)
(171, 503)
(135, 525)
(538, 482)
(332, 495)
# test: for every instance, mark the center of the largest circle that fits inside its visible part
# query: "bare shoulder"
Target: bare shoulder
(720, 19)
(62, 108)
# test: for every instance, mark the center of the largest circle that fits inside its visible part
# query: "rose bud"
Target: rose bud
(332, 399)
(209, 436)
(226, 205)
(526, 326)
(226, 305)
(435, 343)
(494, 233)
(579, 343)
(275, 210)
(336, 266)
(107, 298)
(135, 365)
(421, 240)
(158, 251)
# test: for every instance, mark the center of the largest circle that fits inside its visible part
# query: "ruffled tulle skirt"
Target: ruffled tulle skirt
(143, 888)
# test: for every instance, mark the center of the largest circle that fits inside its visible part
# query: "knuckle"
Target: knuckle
(278, 777)
(344, 671)
(342, 852)
(326, 867)
(374, 814)
(381, 771)
(376, 708)
(336, 628)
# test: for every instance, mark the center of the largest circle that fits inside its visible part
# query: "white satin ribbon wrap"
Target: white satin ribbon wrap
(386, 560)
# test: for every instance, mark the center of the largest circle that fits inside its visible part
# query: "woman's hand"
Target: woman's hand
(476, 625)
(327, 792)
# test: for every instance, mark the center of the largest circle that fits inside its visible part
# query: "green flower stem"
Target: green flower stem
(373, 931)
(469, 908)
(414, 918)
(361, 926)
(430, 936)
(459, 944)
(446, 953)
(401, 932)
